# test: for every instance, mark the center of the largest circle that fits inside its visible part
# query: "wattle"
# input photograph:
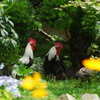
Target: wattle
(58, 52)
(32, 47)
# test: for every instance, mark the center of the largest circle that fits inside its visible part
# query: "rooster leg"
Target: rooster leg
(50, 76)
(54, 78)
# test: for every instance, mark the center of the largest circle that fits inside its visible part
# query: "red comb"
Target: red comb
(32, 40)
(59, 45)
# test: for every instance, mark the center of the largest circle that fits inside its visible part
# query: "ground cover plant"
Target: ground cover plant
(19, 16)
(73, 87)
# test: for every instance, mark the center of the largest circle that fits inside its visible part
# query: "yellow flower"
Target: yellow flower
(92, 63)
(34, 83)
(39, 93)
(28, 83)
(37, 76)
(42, 85)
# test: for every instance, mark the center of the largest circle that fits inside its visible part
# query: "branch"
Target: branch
(46, 35)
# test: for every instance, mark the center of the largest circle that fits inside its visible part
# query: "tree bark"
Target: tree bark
(78, 51)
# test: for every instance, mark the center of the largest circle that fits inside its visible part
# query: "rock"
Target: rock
(66, 97)
(88, 96)
(83, 72)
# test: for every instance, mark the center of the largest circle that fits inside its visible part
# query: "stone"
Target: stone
(83, 72)
(88, 96)
(66, 97)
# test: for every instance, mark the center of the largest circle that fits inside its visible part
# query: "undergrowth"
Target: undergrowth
(74, 87)
(71, 86)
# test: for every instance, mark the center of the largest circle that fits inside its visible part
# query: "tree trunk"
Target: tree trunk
(79, 45)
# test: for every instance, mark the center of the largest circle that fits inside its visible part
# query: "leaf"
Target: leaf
(11, 23)
(3, 41)
(13, 42)
(6, 18)
(3, 33)
(1, 38)
(2, 5)
(7, 40)
(2, 24)
(14, 33)
(12, 30)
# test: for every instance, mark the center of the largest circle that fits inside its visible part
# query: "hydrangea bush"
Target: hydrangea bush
(10, 84)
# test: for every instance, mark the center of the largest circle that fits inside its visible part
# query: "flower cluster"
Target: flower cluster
(35, 83)
(11, 85)
(92, 63)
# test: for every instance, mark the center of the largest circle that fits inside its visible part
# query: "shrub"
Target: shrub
(7, 32)
(9, 55)
(23, 16)
(75, 16)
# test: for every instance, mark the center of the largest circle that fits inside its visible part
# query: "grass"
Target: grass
(72, 86)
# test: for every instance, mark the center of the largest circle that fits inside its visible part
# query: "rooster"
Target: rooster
(27, 58)
(53, 66)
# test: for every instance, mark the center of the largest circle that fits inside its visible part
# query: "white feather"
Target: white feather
(2, 66)
(57, 58)
(52, 52)
(28, 53)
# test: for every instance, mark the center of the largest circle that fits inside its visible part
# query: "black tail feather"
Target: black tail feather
(65, 69)
(6, 71)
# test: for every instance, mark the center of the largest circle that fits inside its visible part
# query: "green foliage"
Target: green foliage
(57, 38)
(95, 50)
(21, 70)
(50, 13)
(75, 16)
(41, 50)
(23, 16)
(5, 95)
(95, 47)
(38, 65)
(7, 32)
(9, 55)
(74, 87)
(89, 20)
(27, 95)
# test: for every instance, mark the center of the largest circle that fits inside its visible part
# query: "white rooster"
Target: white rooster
(27, 58)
